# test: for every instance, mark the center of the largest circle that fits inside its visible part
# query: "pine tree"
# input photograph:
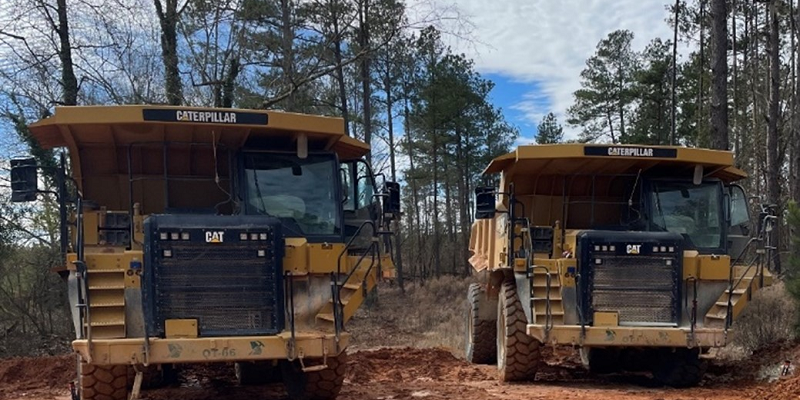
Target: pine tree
(549, 130)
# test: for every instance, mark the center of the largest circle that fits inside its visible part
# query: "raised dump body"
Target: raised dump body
(213, 235)
(643, 256)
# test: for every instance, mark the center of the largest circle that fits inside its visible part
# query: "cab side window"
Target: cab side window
(348, 191)
(365, 188)
(740, 214)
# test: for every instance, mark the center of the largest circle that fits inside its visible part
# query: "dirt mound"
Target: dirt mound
(26, 373)
(410, 364)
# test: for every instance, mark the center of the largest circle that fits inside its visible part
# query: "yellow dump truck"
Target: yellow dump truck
(197, 235)
(642, 256)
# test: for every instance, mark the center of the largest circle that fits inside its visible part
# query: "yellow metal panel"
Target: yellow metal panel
(90, 224)
(623, 336)
(564, 265)
(714, 267)
(295, 258)
(323, 257)
(219, 349)
(180, 328)
(690, 264)
(606, 319)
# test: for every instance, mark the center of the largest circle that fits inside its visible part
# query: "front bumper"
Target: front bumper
(216, 349)
(630, 336)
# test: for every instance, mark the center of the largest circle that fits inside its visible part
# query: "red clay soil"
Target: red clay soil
(408, 373)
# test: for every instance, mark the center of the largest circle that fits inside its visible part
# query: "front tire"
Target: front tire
(314, 385)
(517, 353)
(481, 333)
(103, 382)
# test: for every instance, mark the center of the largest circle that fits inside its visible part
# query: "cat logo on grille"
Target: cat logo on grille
(215, 237)
(634, 248)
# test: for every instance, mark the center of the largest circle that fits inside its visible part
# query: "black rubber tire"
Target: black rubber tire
(518, 354)
(256, 373)
(680, 368)
(103, 382)
(481, 334)
(314, 385)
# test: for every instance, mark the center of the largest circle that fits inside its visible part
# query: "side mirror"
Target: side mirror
(24, 180)
(485, 203)
(391, 201)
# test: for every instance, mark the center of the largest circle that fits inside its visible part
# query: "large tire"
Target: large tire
(517, 353)
(680, 368)
(103, 382)
(256, 373)
(314, 385)
(153, 376)
(481, 333)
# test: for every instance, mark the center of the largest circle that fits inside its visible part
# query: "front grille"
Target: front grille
(634, 274)
(641, 289)
(231, 287)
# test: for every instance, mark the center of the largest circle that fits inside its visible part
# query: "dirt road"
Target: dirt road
(406, 373)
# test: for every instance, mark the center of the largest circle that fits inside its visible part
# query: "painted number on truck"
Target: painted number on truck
(210, 354)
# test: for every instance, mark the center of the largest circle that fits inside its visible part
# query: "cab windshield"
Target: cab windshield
(299, 192)
(694, 211)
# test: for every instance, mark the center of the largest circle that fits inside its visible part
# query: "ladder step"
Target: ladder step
(736, 291)
(725, 303)
(109, 323)
(552, 298)
(553, 313)
(111, 287)
(717, 316)
(326, 317)
(115, 304)
(351, 286)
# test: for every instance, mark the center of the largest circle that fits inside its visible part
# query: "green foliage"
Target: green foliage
(603, 103)
(549, 130)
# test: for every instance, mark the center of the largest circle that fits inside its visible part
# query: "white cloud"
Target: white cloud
(548, 42)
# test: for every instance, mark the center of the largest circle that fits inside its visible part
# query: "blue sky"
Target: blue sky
(534, 50)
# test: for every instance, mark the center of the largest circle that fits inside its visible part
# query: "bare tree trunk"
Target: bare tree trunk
(230, 82)
(287, 50)
(413, 180)
(773, 166)
(398, 257)
(366, 87)
(734, 127)
(339, 72)
(68, 79)
(719, 75)
(795, 159)
(168, 20)
(700, 86)
(674, 105)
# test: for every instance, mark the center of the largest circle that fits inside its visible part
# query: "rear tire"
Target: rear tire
(314, 385)
(103, 382)
(517, 353)
(680, 368)
(481, 334)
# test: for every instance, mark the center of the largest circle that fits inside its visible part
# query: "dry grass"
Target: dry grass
(771, 317)
(432, 315)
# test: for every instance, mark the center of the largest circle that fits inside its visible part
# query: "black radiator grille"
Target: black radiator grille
(640, 289)
(634, 274)
(231, 288)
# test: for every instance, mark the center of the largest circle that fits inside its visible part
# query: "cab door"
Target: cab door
(359, 202)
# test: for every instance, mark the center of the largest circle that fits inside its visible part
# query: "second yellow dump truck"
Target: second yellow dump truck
(196, 235)
(642, 256)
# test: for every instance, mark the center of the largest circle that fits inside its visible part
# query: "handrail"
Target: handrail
(350, 242)
(529, 264)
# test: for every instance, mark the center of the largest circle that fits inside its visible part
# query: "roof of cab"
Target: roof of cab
(79, 126)
(591, 159)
